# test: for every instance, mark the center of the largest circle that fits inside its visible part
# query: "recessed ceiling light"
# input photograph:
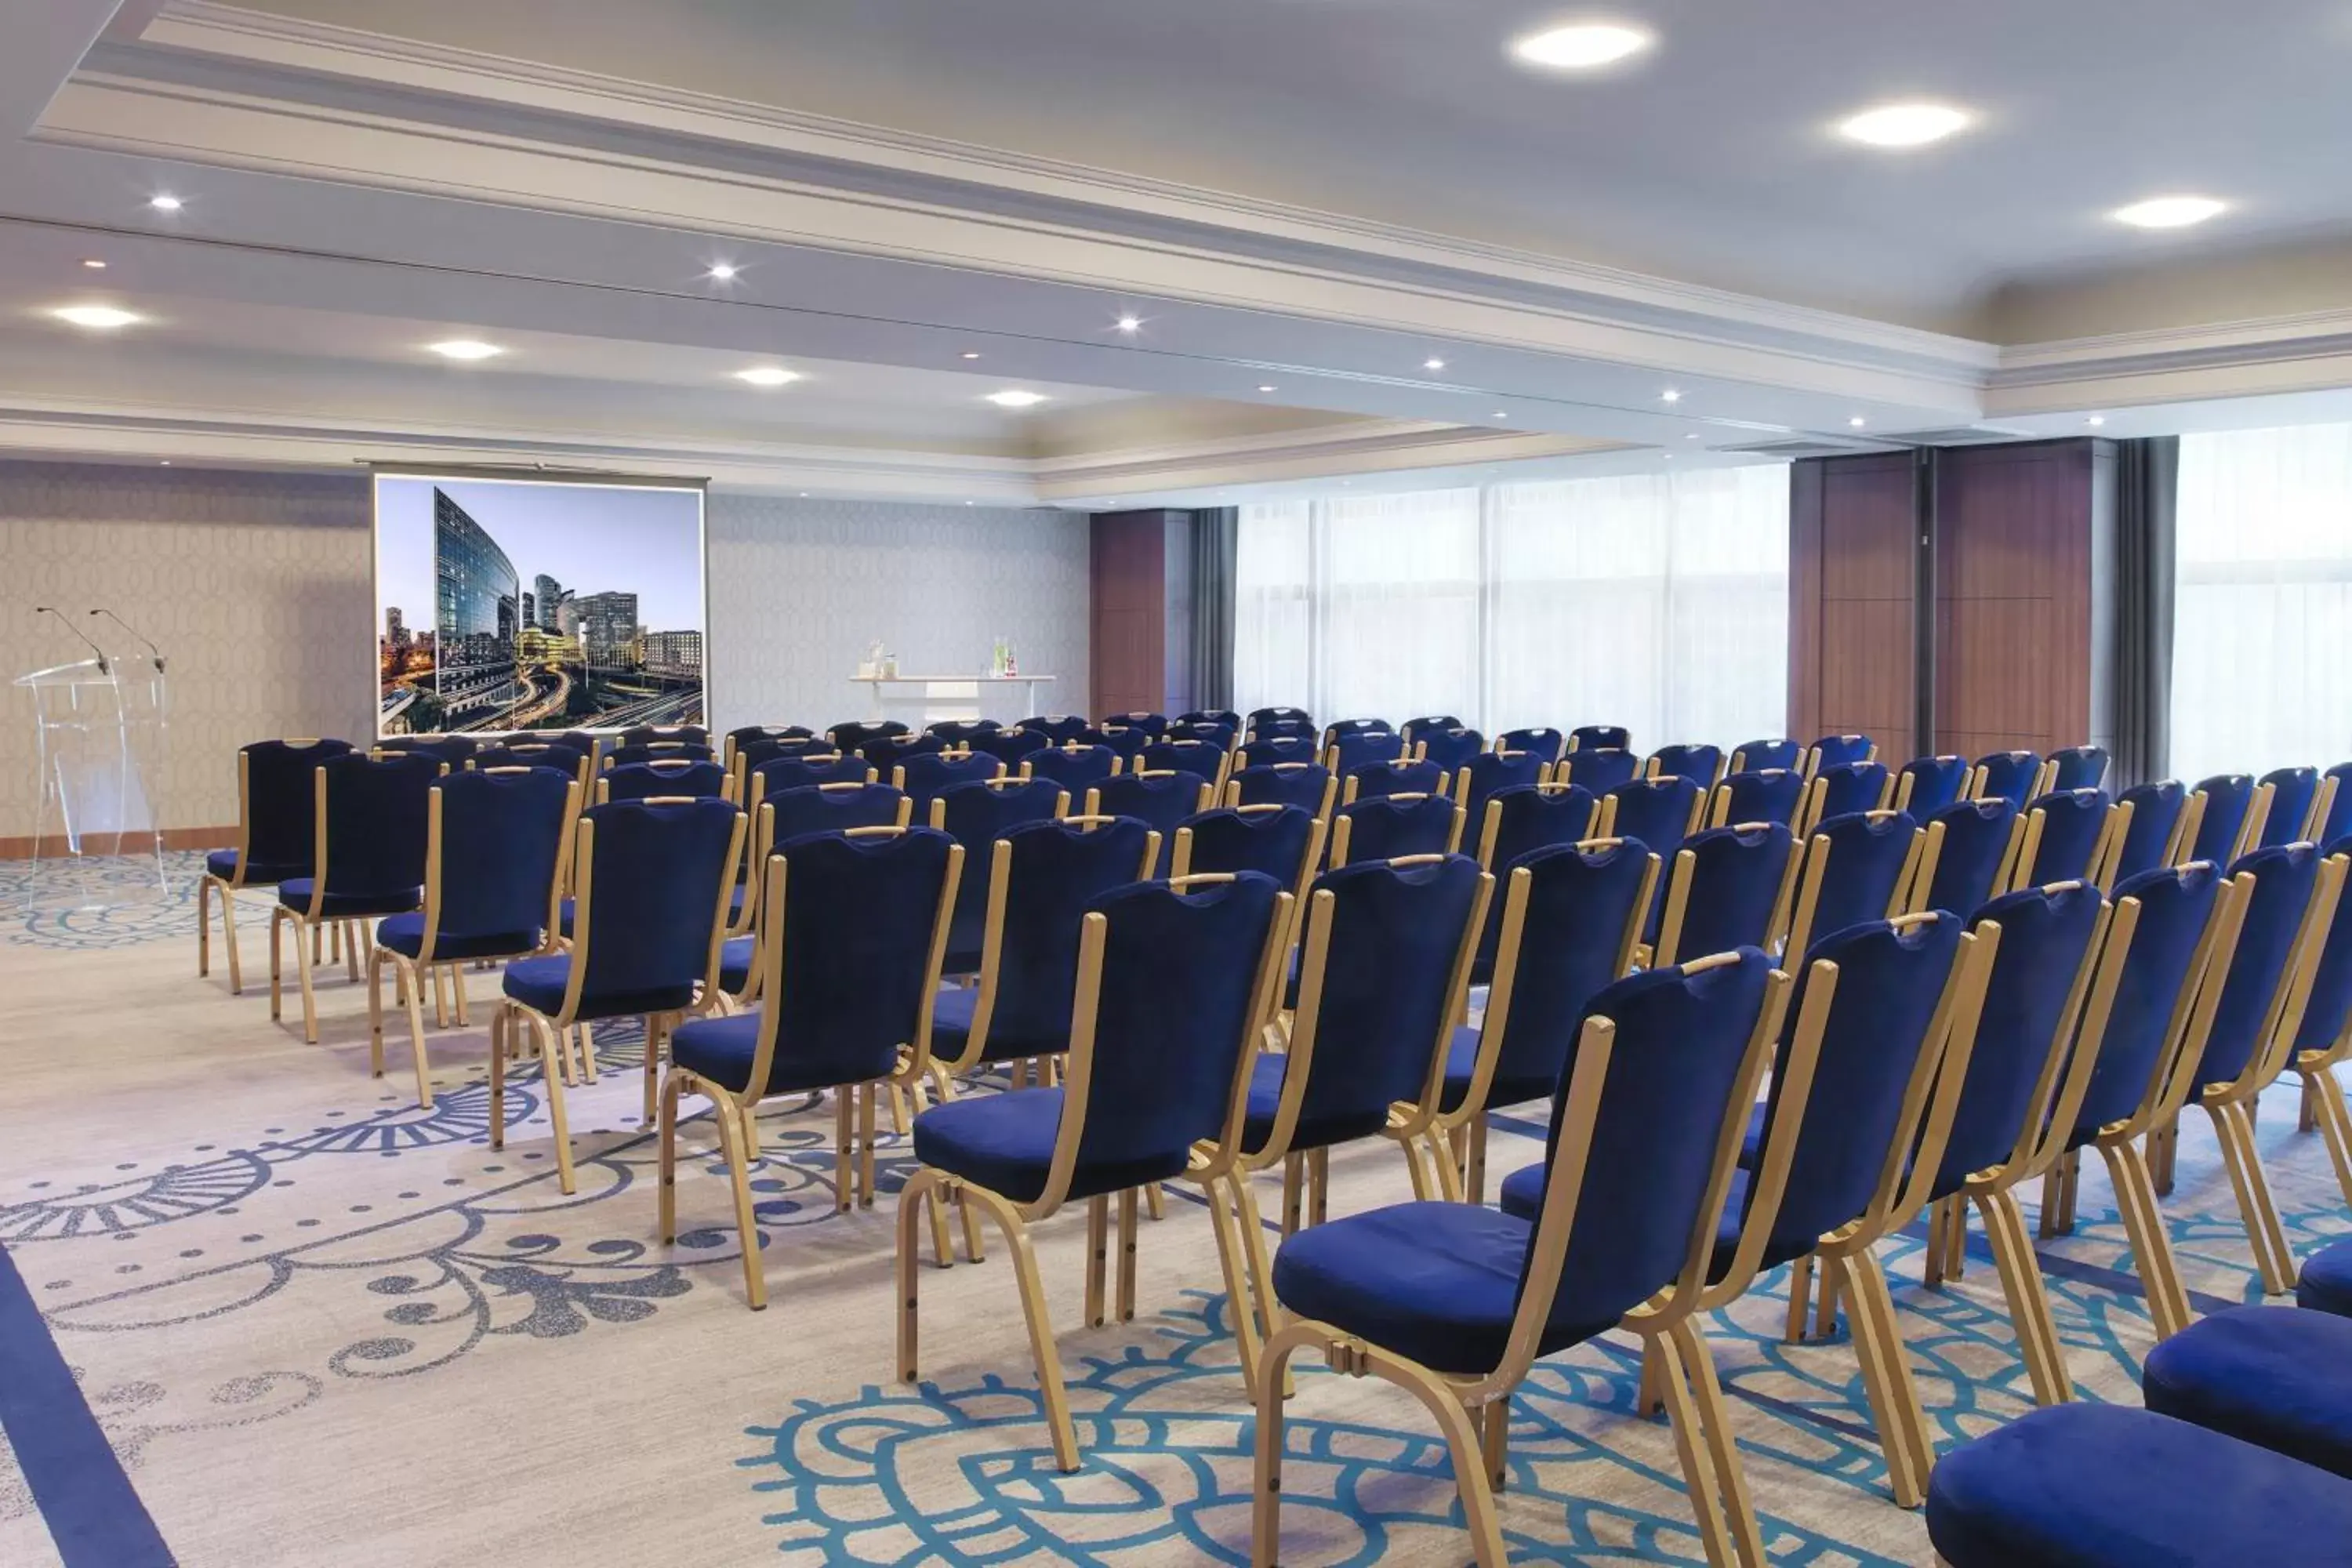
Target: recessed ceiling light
(1581, 46)
(1130, 323)
(164, 204)
(465, 348)
(103, 318)
(1690, 436)
(805, 495)
(2170, 211)
(1904, 124)
(1015, 398)
(969, 503)
(2096, 419)
(722, 271)
(1500, 415)
(1266, 389)
(1432, 364)
(167, 462)
(972, 354)
(1670, 395)
(767, 375)
(1856, 421)
(93, 263)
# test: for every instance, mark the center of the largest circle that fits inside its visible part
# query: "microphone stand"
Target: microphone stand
(104, 667)
(154, 652)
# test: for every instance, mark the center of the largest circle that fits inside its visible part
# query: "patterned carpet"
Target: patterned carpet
(318, 1324)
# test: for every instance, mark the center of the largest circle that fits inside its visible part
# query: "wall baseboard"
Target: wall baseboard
(124, 843)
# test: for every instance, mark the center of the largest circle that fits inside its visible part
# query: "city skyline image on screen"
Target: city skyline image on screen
(508, 606)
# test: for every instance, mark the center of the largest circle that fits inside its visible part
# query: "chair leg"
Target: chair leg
(866, 1095)
(1478, 1183)
(1447, 1152)
(1825, 1308)
(1050, 1387)
(2236, 1135)
(666, 1186)
(1294, 1183)
(1154, 1202)
(1800, 1298)
(1495, 1442)
(1696, 1446)
(553, 1083)
(457, 988)
(2323, 1102)
(410, 997)
(899, 1123)
(303, 964)
(1318, 1186)
(1097, 1255)
(747, 1224)
(1127, 1256)
(229, 938)
(375, 1012)
(585, 1039)
(972, 1250)
(351, 929)
(2163, 1143)
(1887, 1378)
(205, 924)
(1243, 1284)
(845, 1197)
(501, 1037)
(277, 962)
(2029, 1302)
(653, 1063)
(440, 998)
(2151, 1244)
(1649, 1393)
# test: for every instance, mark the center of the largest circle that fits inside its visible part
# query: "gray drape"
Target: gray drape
(2147, 475)
(1215, 534)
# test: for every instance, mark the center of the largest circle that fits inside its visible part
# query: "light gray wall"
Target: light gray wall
(258, 586)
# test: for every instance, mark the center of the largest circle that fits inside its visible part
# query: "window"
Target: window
(2261, 642)
(1658, 602)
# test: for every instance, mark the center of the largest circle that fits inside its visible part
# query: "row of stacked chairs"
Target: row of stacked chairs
(1650, 952)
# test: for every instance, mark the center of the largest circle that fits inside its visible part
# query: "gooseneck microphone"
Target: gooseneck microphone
(103, 666)
(154, 652)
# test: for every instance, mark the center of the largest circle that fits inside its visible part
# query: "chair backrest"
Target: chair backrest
(2066, 839)
(1728, 889)
(530, 755)
(1383, 971)
(778, 774)
(1306, 784)
(1261, 716)
(850, 958)
(2007, 775)
(657, 751)
(795, 813)
(1578, 910)
(1772, 794)
(2079, 767)
(1042, 876)
(1217, 732)
(925, 776)
(1701, 765)
(2186, 925)
(642, 781)
(1152, 724)
(1259, 753)
(1284, 842)
(1190, 756)
(1224, 717)
(451, 748)
(2334, 809)
(1547, 745)
(1661, 813)
(1844, 788)
(2147, 844)
(961, 731)
(1161, 801)
(1599, 768)
(1415, 730)
(495, 841)
(1760, 756)
(1286, 729)
(1973, 843)
(2041, 967)
(1928, 784)
(888, 751)
(2269, 975)
(1836, 751)
(1073, 767)
(975, 816)
(853, 735)
(588, 743)
(1338, 727)
(372, 817)
(2228, 800)
(1858, 869)
(1390, 826)
(748, 734)
(1517, 822)
(1599, 738)
(2291, 792)
(1401, 776)
(1125, 739)
(1353, 749)
(1644, 1131)
(651, 899)
(1009, 746)
(1449, 749)
(1489, 773)
(277, 803)
(662, 734)
(1058, 727)
(2327, 1014)
(750, 753)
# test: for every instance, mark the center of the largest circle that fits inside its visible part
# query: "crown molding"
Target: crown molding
(1365, 447)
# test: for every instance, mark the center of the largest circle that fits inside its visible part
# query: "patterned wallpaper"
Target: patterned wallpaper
(256, 586)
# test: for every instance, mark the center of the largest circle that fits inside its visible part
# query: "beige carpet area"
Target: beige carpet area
(320, 1325)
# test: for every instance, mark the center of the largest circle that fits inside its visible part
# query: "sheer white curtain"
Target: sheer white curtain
(2261, 641)
(1658, 602)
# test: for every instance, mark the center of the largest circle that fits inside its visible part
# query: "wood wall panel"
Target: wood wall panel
(1127, 611)
(1851, 610)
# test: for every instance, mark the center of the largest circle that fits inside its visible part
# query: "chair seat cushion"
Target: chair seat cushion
(1462, 1063)
(1522, 1192)
(538, 984)
(2326, 1285)
(404, 934)
(295, 894)
(721, 1050)
(564, 918)
(1312, 1132)
(735, 963)
(952, 1012)
(1438, 1282)
(222, 863)
(2091, 1486)
(2278, 1377)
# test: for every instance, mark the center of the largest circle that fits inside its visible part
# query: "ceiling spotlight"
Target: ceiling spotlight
(167, 462)
(1130, 323)
(1856, 421)
(722, 271)
(1432, 364)
(1266, 389)
(2170, 211)
(1904, 124)
(1015, 398)
(1500, 415)
(2096, 419)
(1670, 395)
(465, 348)
(1690, 436)
(165, 204)
(93, 263)
(1583, 46)
(805, 495)
(103, 318)
(767, 375)
(972, 354)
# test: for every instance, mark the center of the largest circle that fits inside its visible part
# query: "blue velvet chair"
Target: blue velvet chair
(1974, 847)
(1224, 717)
(276, 837)
(533, 754)
(667, 872)
(1567, 925)
(645, 781)
(2107, 1486)
(1843, 788)
(890, 751)
(778, 819)
(2078, 767)
(1598, 768)
(1702, 764)
(2072, 833)
(1152, 724)
(2186, 921)
(750, 754)
(1389, 826)
(454, 750)
(1009, 746)
(1125, 739)
(370, 822)
(1286, 729)
(1761, 756)
(657, 751)
(1174, 982)
(1160, 801)
(588, 740)
(754, 734)
(1352, 749)
(778, 774)
(1486, 774)
(1772, 794)
(1449, 749)
(1338, 727)
(666, 734)
(1416, 731)
(2333, 809)
(1599, 738)
(2152, 833)
(1836, 751)
(1260, 717)
(857, 735)
(2324, 1039)
(1926, 785)
(845, 1004)
(1073, 767)
(1661, 813)
(1517, 822)
(925, 777)
(1308, 785)
(2224, 824)
(1865, 867)
(1285, 842)
(2277, 1377)
(2326, 1283)
(1262, 754)
(975, 816)
(1730, 888)
(961, 732)
(1999, 1131)
(1454, 1302)
(2292, 790)
(1401, 776)
(494, 849)
(1219, 734)
(1186, 756)
(1060, 729)
(1549, 746)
